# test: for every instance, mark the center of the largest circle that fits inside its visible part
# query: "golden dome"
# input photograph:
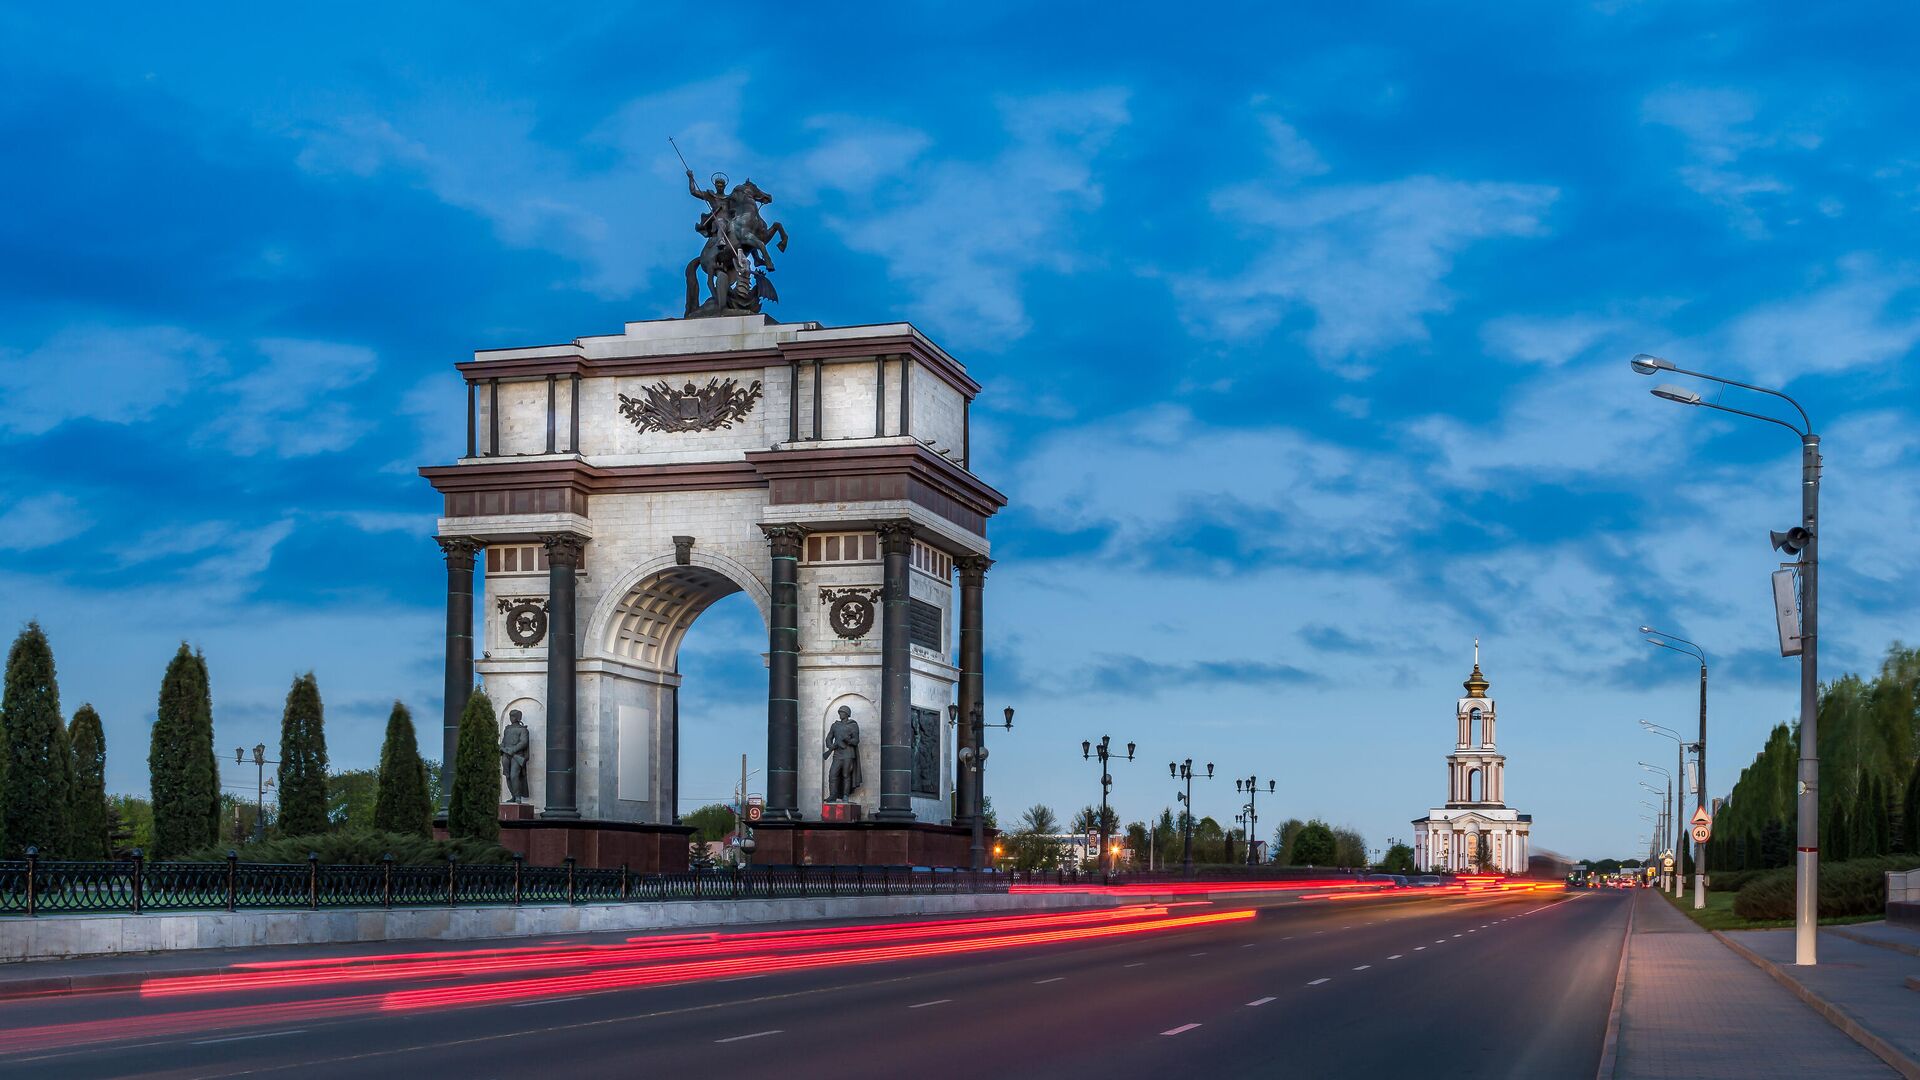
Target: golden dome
(1476, 683)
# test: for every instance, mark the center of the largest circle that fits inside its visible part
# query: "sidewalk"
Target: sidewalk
(1860, 984)
(1692, 1007)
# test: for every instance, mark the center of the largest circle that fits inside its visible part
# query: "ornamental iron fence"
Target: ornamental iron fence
(36, 886)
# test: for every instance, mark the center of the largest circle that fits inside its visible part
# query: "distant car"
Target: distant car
(1389, 880)
(1426, 881)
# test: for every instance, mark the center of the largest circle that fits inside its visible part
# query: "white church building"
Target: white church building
(1449, 837)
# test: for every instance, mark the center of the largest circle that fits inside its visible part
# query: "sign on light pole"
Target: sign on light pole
(1702, 825)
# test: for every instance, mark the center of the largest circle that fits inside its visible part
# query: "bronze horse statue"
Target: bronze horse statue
(734, 243)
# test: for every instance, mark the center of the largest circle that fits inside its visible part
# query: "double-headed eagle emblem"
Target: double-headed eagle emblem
(719, 404)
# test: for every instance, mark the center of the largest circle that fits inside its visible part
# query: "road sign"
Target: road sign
(1666, 863)
(1702, 825)
(755, 808)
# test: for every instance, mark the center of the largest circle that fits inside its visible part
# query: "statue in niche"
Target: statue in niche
(516, 742)
(843, 748)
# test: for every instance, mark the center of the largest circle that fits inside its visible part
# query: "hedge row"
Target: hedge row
(1855, 887)
(360, 849)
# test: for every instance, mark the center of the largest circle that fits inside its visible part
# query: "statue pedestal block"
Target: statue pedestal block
(606, 844)
(862, 843)
(840, 811)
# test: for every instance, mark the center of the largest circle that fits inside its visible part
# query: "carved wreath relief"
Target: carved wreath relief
(719, 404)
(850, 611)
(526, 619)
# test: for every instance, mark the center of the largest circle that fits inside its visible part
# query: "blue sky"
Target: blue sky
(1304, 338)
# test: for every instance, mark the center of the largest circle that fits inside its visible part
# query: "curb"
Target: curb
(1879, 943)
(1610, 1050)
(1881, 1048)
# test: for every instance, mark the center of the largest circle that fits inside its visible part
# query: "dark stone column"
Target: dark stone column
(973, 580)
(563, 718)
(896, 687)
(783, 675)
(459, 552)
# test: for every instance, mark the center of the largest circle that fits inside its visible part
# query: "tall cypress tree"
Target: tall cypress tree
(88, 823)
(39, 776)
(303, 761)
(474, 809)
(1913, 808)
(185, 780)
(402, 805)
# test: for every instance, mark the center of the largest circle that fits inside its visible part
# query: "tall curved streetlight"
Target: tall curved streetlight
(1673, 809)
(1676, 643)
(1802, 540)
(1679, 792)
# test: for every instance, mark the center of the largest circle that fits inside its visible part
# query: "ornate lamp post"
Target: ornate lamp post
(1802, 540)
(1103, 752)
(1184, 771)
(976, 762)
(261, 784)
(1250, 787)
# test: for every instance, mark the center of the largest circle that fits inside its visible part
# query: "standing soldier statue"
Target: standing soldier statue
(843, 746)
(515, 742)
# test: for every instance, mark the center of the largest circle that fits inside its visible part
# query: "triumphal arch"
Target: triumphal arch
(615, 486)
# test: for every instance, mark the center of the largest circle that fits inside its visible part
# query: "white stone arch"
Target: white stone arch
(643, 617)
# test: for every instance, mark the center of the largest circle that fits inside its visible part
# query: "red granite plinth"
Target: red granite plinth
(637, 846)
(863, 843)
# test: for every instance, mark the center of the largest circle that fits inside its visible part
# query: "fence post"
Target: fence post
(33, 872)
(313, 880)
(386, 879)
(519, 861)
(453, 863)
(233, 876)
(139, 865)
(570, 899)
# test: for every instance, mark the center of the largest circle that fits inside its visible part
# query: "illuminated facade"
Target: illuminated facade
(1449, 837)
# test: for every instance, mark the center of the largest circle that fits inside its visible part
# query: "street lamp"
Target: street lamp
(1667, 801)
(1681, 746)
(1687, 648)
(1803, 541)
(1103, 752)
(261, 784)
(1184, 771)
(975, 762)
(1250, 787)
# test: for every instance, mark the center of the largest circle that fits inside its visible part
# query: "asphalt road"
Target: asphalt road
(1513, 986)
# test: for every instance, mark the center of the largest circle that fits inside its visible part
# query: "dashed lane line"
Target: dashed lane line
(1396, 956)
(243, 1038)
(744, 1038)
(1138, 963)
(545, 1001)
(1317, 982)
(926, 1004)
(1258, 1001)
(1181, 1030)
(1043, 982)
(1363, 967)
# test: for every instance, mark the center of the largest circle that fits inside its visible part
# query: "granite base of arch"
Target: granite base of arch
(638, 846)
(863, 843)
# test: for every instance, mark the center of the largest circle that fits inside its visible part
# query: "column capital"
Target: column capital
(785, 539)
(459, 550)
(896, 537)
(563, 547)
(973, 568)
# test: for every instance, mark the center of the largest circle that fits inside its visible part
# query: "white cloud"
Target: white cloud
(1865, 318)
(282, 406)
(1550, 341)
(1720, 129)
(1369, 260)
(961, 234)
(40, 521)
(119, 375)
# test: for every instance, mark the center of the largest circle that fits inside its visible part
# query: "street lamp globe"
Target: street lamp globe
(1647, 364)
(1676, 393)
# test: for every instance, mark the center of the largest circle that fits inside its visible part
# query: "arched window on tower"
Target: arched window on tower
(1476, 729)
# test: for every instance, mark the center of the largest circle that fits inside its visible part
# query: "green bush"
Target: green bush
(359, 848)
(1855, 887)
(1733, 880)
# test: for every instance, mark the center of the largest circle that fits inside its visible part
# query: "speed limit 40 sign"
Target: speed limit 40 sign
(1702, 825)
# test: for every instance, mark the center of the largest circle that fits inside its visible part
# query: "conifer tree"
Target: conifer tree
(474, 809)
(402, 805)
(185, 780)
(89, 823)
(38, 785)
(303, 761)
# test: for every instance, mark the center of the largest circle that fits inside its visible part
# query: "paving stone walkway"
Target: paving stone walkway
(1866, 983)
(1694, 1008)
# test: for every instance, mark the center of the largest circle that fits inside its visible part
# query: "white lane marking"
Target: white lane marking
(545, 1001)
(755, 1035)
(1181, 1030)
(1249, 944)
(1043, 982)
(924, 1004)
(1419, 948)
(1456, 935)
(1363, 967)
(1439, 941)
(1317, 982)
(1258, 1001)
(1202, 952)
(1396, 956)
(1138, 963)
(744, 978)
(1289, 937)
(243, 1038)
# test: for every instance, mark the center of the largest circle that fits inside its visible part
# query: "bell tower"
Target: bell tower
(1476, 770)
